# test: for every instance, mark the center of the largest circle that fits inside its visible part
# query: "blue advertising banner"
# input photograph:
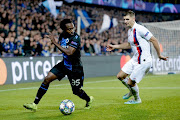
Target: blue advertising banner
(137, 5)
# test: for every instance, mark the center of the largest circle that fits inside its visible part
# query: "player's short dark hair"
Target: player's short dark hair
(130, 13)
(64, 22)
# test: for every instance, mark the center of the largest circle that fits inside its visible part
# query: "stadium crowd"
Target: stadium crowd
(35, 21)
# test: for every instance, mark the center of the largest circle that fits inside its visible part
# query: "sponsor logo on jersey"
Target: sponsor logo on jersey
(74, 43)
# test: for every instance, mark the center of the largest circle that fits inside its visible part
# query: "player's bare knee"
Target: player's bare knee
(47, 80)
(131, 83)
(119, 77)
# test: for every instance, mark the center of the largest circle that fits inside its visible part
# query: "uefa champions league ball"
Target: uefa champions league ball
(66, 107)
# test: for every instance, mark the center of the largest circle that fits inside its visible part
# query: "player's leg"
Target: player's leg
(123, 77)
(76, 79)
(83, 95)
(41, 91)
(135, 92)
(136, 76)
(54, 73)
(44, 86)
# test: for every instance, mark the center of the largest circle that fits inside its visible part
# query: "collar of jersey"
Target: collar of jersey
(134, 26)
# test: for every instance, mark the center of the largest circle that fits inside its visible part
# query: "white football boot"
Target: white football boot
(127, 96)
(133, 101)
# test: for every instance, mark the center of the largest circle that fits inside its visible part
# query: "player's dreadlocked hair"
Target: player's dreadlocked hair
(64, 22)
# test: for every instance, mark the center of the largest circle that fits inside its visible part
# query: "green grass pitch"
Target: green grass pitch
(160, 96)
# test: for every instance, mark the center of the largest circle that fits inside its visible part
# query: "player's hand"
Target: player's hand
(163, 58)
(109, 47)
(51, 37)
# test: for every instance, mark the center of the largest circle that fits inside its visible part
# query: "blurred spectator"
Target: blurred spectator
(103, 48)
(91, 42)
(97, 46)
(82, 46)
(88, 48)
(27, 48)
(45, 51)
(6, 46)
(1, 46)
(12, 45)
(19, 49)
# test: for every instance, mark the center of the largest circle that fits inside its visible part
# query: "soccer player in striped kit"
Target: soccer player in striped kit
(71, 65)
(139, 39)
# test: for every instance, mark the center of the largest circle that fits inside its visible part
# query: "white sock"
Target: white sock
(125, 82)
(135, 92)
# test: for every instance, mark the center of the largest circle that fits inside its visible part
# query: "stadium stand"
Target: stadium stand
(35, 21)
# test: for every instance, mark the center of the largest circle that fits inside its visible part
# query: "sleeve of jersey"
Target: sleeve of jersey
(145, 33)
(75, 42)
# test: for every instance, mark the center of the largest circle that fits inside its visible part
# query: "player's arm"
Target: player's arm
(120, 46)
(68, 51)
(157, 48)
(145, 33)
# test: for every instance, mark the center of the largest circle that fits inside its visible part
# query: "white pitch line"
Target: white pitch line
(101, 81)
(99, 88)
(68, 84)
(56, 85)
(103, 88)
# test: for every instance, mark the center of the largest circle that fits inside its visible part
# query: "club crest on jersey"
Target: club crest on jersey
(67, 40)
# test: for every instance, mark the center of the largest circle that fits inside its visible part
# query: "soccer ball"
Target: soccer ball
(66, 107)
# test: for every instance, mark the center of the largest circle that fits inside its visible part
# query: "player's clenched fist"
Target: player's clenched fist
(109, 47)
(51, 37)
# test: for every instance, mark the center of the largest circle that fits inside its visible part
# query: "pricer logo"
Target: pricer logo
(124, 59)
(3, 72)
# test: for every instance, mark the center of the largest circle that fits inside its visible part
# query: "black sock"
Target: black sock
(42, 90)
(84, 96)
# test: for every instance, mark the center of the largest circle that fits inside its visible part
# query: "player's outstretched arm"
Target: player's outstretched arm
(156, 46)
(120, 46)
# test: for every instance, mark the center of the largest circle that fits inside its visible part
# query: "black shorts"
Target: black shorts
(76, 76)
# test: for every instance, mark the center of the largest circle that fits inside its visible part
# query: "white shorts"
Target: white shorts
(135, 70)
